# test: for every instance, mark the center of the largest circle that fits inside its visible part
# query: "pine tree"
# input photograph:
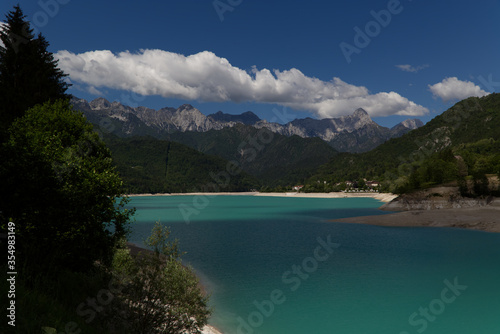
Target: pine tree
(28, 72)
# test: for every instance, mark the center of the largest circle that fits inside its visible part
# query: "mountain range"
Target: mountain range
(180, 149)
(352, 133)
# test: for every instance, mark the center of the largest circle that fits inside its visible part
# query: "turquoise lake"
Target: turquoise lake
(276, 265)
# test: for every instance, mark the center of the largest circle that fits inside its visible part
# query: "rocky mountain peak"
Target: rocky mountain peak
(248, 117)
(186, 107)
(250, 114)
(412, 123)
(361, 113)
(187, 111)
(405, 126)
(357, 120)
(99, 104)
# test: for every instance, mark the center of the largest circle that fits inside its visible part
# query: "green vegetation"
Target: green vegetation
(461, 145)
(61, 190)
(146, 292)
(149, 165)
(240, 158)
(276, 160)
(52, 302)
(62, 200)
(28, 72)
(160, 295)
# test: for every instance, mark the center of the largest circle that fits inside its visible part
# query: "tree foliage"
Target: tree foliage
(273, 158)
(28, 72)
(61, 189)
(160, 294)
(149, 165)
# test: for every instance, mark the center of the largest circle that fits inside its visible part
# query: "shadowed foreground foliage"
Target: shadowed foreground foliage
(160, 295)
(149, 292)
(64, 196)
(61, 190)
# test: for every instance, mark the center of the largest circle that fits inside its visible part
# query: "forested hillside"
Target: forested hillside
(262, 160)
(461, 144)
(149, 165)
(275, 159)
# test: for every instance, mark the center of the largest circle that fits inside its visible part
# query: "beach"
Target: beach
(210, 330)
(383, 197)
(477, 218)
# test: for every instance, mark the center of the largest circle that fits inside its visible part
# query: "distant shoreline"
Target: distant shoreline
(383, 197)
(482, 218)
(486, 218)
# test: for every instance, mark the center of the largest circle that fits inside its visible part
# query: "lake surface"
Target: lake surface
(276, 265)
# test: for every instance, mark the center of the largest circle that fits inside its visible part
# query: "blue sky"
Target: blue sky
(412, 59)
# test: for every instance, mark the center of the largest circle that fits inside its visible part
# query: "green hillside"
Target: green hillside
(149, 165)
(273, 158)
(461, 144)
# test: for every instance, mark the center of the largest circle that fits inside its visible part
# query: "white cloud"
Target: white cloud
(207, 77)
(454, 89)
(409, 68)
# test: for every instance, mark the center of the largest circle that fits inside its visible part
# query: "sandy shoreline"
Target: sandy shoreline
(478, 218)
(383, 197)
(210, 330)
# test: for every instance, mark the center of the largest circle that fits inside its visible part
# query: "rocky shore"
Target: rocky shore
(437, 198)
(437, 207)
